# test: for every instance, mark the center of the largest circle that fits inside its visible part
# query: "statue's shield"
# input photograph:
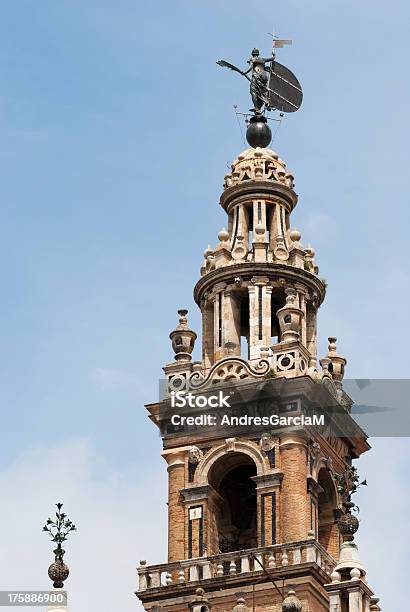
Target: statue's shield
(284, 91)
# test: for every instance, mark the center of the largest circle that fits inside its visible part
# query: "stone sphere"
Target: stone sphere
(58, 573)
(259, 229)
(258, 133)
(208, 251)
(223, 235)
(348, 525)
(335, 576)
(295, 235)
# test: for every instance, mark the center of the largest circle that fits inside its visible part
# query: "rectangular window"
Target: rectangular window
(195, 532)
(260, 293)
(313, 516)
(265, 497)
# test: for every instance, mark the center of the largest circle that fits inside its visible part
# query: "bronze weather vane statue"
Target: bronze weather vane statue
(272, 87)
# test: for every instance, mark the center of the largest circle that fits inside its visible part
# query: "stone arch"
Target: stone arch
(328, 503)
(323, 464)
(230, 446)
(228, 473)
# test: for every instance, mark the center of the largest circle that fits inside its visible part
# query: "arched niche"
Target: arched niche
(327, 501)
(235, 515)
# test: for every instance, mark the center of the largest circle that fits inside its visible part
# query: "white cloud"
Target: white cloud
(121, 518)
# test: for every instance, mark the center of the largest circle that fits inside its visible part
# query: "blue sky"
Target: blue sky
(116, 131)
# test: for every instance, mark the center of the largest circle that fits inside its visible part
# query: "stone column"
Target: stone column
(231, 322)
(294, 497)
(334, 601)
(176, 509)
(302, 305)
(259, 315)
(208, 348)
(219, 320)
(355, 600)
(311, 329)
(267, 315)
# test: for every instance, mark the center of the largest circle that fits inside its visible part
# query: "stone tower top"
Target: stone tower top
(252, 504)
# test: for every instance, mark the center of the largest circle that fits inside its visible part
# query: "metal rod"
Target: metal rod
(268, 575)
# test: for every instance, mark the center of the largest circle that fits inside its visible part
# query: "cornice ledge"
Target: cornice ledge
(266, 481)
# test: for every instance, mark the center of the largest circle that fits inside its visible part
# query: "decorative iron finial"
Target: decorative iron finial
(58, 529)
(348, 484)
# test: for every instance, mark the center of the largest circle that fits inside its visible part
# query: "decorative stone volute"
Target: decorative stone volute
(290, 317)
(183, 338)
(291, 603)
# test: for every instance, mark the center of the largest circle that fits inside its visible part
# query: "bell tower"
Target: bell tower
(260, 513)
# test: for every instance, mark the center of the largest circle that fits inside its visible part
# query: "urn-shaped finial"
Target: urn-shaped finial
(290, 317)
(337, 363)
(183, 338)
(58, 571)
(58, 529)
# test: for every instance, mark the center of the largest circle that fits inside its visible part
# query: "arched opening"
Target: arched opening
(278, 300)
(327, 503)
(235, 516)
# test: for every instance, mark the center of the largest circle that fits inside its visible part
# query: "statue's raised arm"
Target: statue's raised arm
(225, 64)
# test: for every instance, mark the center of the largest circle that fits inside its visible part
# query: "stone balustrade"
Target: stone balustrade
(232, 564)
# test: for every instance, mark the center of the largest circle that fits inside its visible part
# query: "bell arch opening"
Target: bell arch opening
(235, 514)
(327, 504)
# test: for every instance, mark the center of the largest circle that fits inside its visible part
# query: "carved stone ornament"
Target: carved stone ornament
(291, 603)
(183, 338)
(258, 165)
(195, 455)
(266, 442)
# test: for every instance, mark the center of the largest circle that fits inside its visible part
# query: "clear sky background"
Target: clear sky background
(116, 131)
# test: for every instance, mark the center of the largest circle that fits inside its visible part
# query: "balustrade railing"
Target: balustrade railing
(235, 563)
